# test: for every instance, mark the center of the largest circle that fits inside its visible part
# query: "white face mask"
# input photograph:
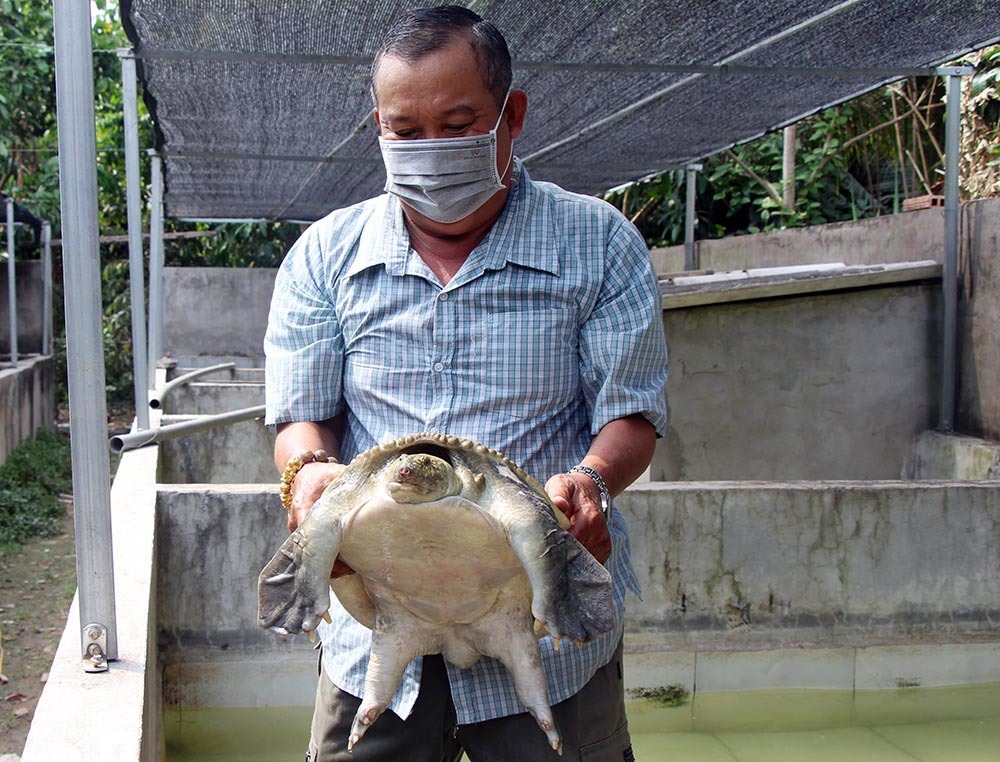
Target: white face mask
(445, 179)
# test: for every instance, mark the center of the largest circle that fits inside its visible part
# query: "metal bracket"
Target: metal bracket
(955, 71)
(95, 648)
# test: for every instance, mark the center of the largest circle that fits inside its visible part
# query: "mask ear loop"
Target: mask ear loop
(495, 129)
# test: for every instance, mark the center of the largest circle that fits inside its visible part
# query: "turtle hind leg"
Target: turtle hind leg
(394, 645)
(514, 645)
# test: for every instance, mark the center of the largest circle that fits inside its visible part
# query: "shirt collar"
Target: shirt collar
(524, 235)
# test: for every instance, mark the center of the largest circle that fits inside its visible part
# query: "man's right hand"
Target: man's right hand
(307, 487)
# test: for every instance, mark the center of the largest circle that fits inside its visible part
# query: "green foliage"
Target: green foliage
(31, 479)
(29, 171)
(856, 160)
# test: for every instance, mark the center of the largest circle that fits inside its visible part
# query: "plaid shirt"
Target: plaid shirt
(551, 329)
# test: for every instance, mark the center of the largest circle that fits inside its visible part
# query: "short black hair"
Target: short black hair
(427, 30)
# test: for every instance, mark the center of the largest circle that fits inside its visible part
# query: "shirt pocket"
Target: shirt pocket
(530, 360)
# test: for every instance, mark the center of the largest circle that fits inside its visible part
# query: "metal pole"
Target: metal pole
(155, 266)
(788, 169)
(11, 282)
(690, 185)
(46, 288)
(130, 107)
(949, 284)
(84, 342)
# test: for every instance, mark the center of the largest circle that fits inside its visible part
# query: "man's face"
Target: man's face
(443, 95)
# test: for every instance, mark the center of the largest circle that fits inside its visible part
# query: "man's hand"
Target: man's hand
(576, 495)
(307, 486)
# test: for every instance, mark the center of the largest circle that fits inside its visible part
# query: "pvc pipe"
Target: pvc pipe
(11, 282)
(130, 109)
(84, 340)
(155, 268)
(46, 288)
(136, 439)
(156, 398)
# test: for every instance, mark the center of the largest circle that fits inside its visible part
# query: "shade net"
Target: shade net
(262, 107)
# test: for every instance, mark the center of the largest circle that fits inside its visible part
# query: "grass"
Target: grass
(35, 473)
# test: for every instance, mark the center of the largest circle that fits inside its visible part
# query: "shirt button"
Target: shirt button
(443, 296)
(438, 367)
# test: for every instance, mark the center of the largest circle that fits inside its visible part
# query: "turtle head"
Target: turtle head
(421, 478)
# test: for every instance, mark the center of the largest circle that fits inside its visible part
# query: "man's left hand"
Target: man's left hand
(577, 496)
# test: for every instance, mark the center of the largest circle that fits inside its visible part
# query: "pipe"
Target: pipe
(155, 268)
(11, 282)
(84, 342)
(47, 288)
(130, 109)
(156, 398)
(123, 442)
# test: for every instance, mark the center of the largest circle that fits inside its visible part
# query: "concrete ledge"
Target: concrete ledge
(27, 401)
(745, 285)
(115, 715)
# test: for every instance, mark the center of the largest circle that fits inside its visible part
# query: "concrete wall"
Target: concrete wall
(979, 321)
(30, 293)
(908, 237)
(762, 565)
(239, 453)
(27, 401)
(216, 311)
(722, 566)
(827, 386)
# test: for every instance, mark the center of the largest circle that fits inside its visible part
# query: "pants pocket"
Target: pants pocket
(615, 748)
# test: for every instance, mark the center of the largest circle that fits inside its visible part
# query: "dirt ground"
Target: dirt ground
(37, 582)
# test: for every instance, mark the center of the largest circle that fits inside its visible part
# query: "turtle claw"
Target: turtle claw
(362, 721)
(312, 636)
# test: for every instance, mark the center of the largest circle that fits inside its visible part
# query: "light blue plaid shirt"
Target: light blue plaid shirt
(551, 329)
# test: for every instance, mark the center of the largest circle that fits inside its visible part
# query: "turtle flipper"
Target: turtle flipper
(293, 590)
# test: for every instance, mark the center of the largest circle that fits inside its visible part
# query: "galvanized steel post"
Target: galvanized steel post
(11, 282)
(84, 340)
(690, 185)
(136, 263)
(155, 265)
(46, 288)
(952, 135)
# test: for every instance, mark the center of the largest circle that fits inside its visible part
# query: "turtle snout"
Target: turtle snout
(404, 473)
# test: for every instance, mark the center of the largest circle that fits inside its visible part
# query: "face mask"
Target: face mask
(445, 179)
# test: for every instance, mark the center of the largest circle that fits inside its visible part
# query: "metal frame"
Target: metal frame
(949, 281)
(130, 109)
(11, 282)
(46, 288)
(84, 339)
(155, 267)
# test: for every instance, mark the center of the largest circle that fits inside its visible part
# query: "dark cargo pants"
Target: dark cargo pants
(592, 724)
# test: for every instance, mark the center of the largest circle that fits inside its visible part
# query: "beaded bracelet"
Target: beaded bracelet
(292, 468)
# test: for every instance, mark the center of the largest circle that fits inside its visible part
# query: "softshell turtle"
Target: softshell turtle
(457, 550)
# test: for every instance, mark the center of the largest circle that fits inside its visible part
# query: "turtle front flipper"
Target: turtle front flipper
(293, 590)
(571, 590)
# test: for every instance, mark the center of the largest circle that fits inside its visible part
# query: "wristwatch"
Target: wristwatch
(599, 481)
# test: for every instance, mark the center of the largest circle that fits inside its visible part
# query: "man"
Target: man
(472, 301)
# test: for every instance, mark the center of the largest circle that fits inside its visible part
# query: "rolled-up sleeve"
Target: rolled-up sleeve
(622, 346)
(303, 344)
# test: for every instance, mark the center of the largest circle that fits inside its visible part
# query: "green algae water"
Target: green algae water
(953, 724)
